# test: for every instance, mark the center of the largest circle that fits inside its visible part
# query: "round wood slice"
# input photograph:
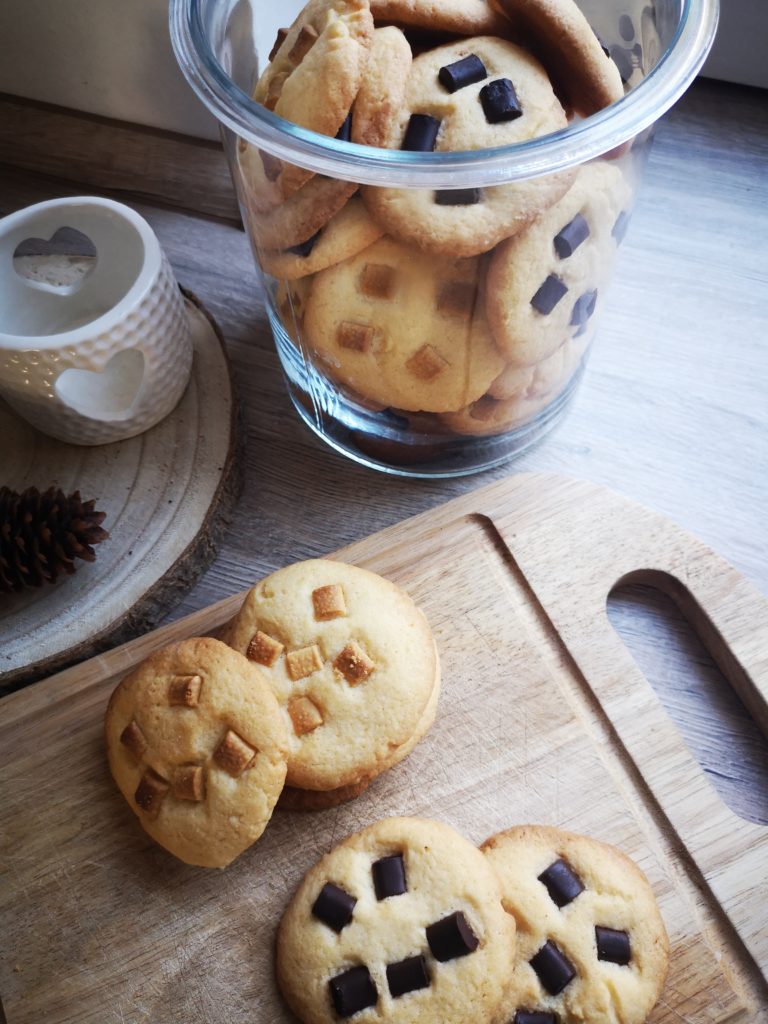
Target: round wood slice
(167, 493)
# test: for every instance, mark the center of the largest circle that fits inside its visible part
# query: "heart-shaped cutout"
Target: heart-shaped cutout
(107, 395)
(61, 264)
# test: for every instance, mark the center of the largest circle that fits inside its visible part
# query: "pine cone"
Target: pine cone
(42, 534)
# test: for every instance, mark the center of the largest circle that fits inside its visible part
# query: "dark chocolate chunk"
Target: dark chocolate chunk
(463, 72)
(620, 227)
(389, 877)
(583, 310)
(421, 133)
(535, 1017)
(571, 237)
(500, 102)
(407, 976)
(459, 197)
(334, 907)
(554, 969)
(353, 991)
(305, 248)
(613, 946)
(452, 937)
(563, 885)
(344, 134)
(548, 296)
(626, 28)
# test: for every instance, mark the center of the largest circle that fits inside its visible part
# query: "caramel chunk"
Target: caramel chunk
(151, 792)
(189, 783)
(264, 649)
(457, 298)
(427, 363)
(184, 691)
(304, 662)
(305, 715)
(282, 34)
(377, 281)
(304, 43)
(275, 91)
(329, 602)
(354, 664)
(234, 755)
(357, 337)
(133, 738)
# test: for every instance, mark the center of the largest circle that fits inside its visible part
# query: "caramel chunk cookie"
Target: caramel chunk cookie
(352, 662)
(315, 73)
(586, 77)
(198, 747)
(472, 94)
(401, 923)
(545, 284)
(591, 942)
(343, 237)
(404, 329)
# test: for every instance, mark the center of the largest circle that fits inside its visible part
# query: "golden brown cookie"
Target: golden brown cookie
(591, 944)
(404, 328)
(197, 745)
(586, 77)
(315, 73)
(401, 923)
(351, 660)
(295, 221)
(344, 236)
(544, 285)
(472, 94)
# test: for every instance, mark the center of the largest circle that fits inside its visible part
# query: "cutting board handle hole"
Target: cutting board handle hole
(660, 637)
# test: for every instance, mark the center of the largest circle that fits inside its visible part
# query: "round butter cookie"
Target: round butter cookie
(401, 923)
(197, 745)
(343, 237)
(585, 75)
(404, 329)
(351, 660)
(544, 284)
(298, 219)
(591, 944)
(315, 73)
(472, 94)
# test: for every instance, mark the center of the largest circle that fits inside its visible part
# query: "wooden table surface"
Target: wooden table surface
(673, 410)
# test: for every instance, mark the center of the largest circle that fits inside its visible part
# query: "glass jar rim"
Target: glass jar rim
(581, 141)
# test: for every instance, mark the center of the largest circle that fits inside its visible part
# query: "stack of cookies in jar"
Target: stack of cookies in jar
(464, 310)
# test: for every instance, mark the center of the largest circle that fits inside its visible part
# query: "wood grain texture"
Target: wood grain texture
(544, 718)
(168, 495)
(100, 153)
(673, 409)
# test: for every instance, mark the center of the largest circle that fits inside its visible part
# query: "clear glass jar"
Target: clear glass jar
(433, 311)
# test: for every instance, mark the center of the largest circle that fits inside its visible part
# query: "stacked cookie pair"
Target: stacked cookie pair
(474, 305)
(329, 676)
(406, 922)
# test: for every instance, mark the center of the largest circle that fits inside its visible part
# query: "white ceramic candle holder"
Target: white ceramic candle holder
(104, 358)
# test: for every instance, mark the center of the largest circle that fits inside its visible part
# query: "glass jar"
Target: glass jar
(433, 311)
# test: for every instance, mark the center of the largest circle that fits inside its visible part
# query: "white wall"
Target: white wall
(114, 57)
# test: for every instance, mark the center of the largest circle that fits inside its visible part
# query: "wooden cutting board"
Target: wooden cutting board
(544, 717)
